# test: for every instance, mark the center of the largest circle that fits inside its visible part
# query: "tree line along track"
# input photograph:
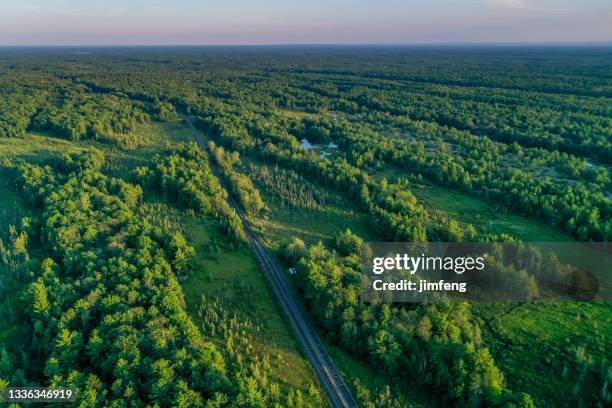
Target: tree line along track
(327, 373)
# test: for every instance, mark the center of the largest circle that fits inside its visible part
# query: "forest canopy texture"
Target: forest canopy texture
(116, 226)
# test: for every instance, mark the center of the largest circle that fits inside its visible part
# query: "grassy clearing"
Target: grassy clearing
(157, 137)
(296, 114)
(282, 221)
(311, 225)
(485, 216)
(35, 147)
(566, 335)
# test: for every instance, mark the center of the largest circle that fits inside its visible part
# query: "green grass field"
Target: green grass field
(571, 338)
(36, 147)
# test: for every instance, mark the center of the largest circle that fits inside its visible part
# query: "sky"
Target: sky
(225, 22)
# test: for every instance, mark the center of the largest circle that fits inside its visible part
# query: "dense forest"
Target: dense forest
(116, 225)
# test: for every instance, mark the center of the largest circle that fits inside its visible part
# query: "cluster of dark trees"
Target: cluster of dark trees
(164, 111)
(20, 96)
(15, 267)
(76, 115)
(185, 176)
(15, 114)
(437, 345)
(106, 314)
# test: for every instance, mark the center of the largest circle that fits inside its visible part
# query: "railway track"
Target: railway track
(328, 374)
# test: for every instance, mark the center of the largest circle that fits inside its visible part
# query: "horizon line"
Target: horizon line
(357, 44)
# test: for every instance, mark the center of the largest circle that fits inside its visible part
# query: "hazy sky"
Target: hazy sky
(61, 22)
